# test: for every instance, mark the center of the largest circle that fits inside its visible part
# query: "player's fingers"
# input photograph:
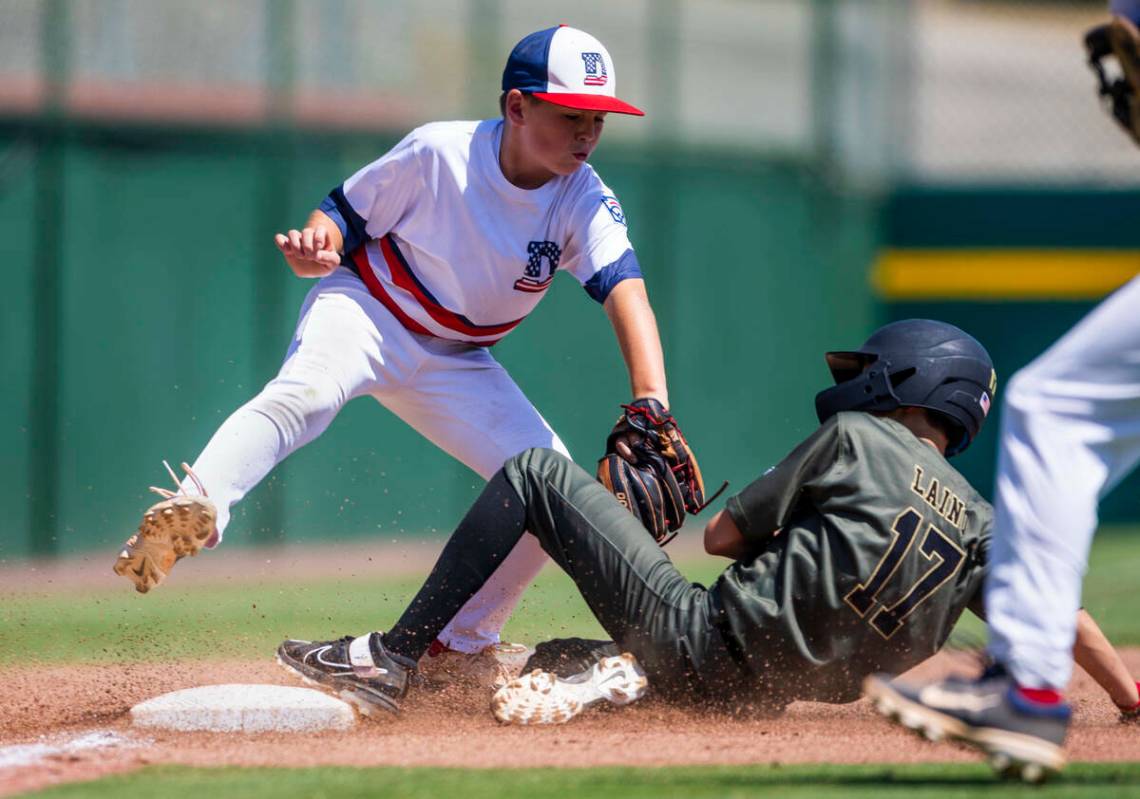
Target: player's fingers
(295, 240)
(320, 239)
(281, 242)
(623, 449)
(307, 242)
(330, 258)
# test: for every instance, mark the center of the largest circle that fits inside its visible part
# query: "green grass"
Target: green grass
(1110, 588)
(1084, 781)
(1113, 583)
(237, 621)
(248, 620)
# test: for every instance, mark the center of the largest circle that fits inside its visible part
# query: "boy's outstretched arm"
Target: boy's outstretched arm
(1096, 655)
(628, 309)
(313, 251)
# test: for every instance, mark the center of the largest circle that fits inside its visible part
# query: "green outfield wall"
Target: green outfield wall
(1015, 267)
(145, 301)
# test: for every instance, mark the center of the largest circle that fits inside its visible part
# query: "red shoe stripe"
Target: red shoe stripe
(1042, 696)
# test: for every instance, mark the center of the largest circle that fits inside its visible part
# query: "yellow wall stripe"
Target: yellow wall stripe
(952, 274)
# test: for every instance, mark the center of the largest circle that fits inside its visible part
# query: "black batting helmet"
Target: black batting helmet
(917, 362)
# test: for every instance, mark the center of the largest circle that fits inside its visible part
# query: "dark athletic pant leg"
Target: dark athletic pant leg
(637, 594)
(634, 590)
(487, 534)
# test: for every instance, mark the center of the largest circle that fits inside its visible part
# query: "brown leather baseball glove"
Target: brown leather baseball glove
(647, 436)
(1120, 93)
(653, 497)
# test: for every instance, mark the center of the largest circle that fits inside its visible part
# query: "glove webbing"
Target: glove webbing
(682, 471)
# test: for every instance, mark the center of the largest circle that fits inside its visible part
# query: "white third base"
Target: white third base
(244, 708)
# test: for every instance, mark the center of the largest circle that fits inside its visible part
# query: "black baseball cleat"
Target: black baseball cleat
(1023, 737)
(358, 670)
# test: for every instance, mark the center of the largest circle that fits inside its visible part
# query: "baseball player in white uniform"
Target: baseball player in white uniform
(1070, 431)
(424, 259)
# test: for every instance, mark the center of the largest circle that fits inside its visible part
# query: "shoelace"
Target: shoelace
(166, 493)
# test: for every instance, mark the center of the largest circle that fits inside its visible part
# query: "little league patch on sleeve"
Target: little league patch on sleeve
(614, 207)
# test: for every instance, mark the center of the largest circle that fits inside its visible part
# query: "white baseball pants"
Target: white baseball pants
(456, 395)
(1070, 431)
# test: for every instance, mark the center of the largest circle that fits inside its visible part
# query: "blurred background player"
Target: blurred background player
(425, 258)
(857, 553)
(1070, 432)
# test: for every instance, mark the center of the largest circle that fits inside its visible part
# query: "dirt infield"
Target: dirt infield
(60, 708)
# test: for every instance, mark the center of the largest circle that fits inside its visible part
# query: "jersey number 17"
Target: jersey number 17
(943, 555)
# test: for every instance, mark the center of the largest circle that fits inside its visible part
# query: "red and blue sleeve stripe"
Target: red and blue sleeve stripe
(602, 283)
(351, 224)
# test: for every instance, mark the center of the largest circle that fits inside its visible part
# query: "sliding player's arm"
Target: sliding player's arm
(1093, 652)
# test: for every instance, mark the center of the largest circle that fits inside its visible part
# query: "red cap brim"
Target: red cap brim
(590, 102)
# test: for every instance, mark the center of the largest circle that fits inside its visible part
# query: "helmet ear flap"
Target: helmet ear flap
(872, 390)
(902, 375)
(960, 407)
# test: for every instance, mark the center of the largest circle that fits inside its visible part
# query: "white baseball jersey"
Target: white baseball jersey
(442, 245)
(443, 257)
(453, 249)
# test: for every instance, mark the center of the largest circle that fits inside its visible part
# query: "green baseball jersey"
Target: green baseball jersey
(868, 546)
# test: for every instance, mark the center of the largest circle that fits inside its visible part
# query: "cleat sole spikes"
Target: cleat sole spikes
(541, 697)
(1013, 755)
(174, 528)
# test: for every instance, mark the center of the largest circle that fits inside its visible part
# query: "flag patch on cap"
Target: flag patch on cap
(595, 69)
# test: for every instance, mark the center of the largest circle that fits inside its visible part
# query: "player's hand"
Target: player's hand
(309, 252)
(1130, 714)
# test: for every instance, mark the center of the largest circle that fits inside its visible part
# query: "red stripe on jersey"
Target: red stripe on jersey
(402, 276)
(360, 257)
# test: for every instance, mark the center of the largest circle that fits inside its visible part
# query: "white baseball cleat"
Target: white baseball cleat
(544, 698)
(489, 668)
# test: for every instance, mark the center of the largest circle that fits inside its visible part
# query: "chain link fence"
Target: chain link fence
(1002, 92)
(718, 72)
(924, 91)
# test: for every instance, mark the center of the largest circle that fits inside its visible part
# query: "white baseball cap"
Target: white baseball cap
(567, 67)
